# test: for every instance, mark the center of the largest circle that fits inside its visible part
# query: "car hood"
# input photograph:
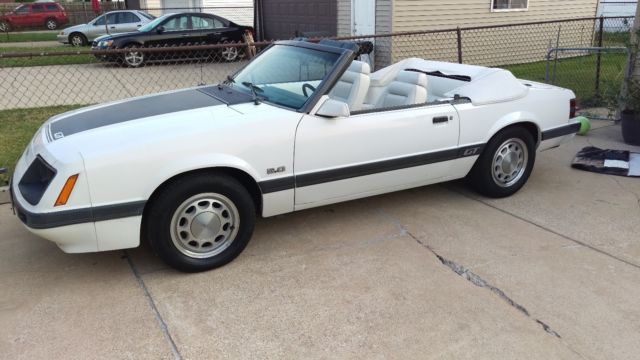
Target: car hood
(122, 113)
(117, 36)
(70, 29)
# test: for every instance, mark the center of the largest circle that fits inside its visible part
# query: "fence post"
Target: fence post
(599, 55)
(459, 32)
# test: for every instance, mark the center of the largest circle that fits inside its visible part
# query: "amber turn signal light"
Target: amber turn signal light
(66, 190)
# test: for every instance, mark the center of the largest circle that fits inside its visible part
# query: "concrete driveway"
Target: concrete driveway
(436, 272)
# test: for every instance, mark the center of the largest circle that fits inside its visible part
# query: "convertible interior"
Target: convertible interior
(417, 81)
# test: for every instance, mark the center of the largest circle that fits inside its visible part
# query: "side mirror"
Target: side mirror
(333, 109)
(160, 29)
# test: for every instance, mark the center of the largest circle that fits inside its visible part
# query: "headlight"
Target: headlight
(36, 180)
(105, 43)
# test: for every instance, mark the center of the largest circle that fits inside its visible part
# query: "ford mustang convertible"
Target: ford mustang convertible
(300, 126)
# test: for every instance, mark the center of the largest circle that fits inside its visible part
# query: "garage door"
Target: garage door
(285, 19)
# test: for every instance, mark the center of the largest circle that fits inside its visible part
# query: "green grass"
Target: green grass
(26, 37)
(577, 74)
(43, 60)
(16, 130)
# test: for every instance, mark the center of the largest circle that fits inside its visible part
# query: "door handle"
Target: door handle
(138, 25)
(112, 27)
(440, 119)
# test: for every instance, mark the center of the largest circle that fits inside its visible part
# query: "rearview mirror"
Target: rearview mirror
(333, 109)
(160, 29)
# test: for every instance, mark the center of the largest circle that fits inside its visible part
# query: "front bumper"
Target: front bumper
(64, 39)
(72, 233)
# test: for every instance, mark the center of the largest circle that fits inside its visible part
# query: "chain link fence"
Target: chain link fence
(52, 77)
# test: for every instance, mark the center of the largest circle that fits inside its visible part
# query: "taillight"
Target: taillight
(573, 108)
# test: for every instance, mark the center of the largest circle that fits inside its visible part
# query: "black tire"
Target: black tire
(50, 24)
(163, 224)
(489, 178)
(78, 39)
(5, 26)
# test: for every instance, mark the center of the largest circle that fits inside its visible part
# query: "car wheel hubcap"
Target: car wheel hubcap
(134, 58)
(3, 27)
(76, 41)
(51, 25)
(204, 225)
(510, 162)
(229, 53)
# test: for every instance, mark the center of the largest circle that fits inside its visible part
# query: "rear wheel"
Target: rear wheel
(200, 222)
(51, 24)
(77, 39)
(505, 164)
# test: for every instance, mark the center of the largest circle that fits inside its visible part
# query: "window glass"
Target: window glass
(22, 9)
(509, 4)
(201, 23)
(127, 18)
(281, 73)
(177, 23)
(52, 7)
(112, 18)
(99, 20)
(37, 8)
(148, 16)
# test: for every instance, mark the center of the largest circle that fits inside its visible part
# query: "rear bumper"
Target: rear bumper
(557, 136)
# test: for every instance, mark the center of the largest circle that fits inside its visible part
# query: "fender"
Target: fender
(514, 118)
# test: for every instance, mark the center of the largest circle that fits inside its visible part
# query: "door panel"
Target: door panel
(336, 158)
(364, 17)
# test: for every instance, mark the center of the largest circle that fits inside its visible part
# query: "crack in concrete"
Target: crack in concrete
(163, 326)
(476, 280)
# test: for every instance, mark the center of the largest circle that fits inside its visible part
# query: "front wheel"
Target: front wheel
(5, 26)
(133, 57)
(77, 39)
(505, 164)
(200, 222)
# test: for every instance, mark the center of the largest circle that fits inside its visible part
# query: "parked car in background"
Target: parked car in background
(174, 30)
(49, 15)
(113, 22)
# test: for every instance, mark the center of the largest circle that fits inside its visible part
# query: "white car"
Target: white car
(302, 125)
(113, 22)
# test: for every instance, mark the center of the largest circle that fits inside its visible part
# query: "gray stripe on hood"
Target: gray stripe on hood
(132, 110)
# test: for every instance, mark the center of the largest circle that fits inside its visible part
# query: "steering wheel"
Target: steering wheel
(305, 87)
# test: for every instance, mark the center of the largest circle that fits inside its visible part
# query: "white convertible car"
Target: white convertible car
(300, 126)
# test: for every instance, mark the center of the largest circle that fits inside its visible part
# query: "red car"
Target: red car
(47, 14)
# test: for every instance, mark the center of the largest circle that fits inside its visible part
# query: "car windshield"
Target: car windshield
(286, 75)
(149, 26)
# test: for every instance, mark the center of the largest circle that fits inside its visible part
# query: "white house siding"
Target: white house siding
(239, 11)
(617, 8)
(490, 47)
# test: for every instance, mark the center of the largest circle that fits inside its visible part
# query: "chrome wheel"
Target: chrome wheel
(204, 225)
(4, 27)
(134, 58)
(230, 53)
(51, 24)
(77, 40)
(509, 162)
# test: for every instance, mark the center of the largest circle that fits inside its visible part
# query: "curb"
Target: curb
(4, 195)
